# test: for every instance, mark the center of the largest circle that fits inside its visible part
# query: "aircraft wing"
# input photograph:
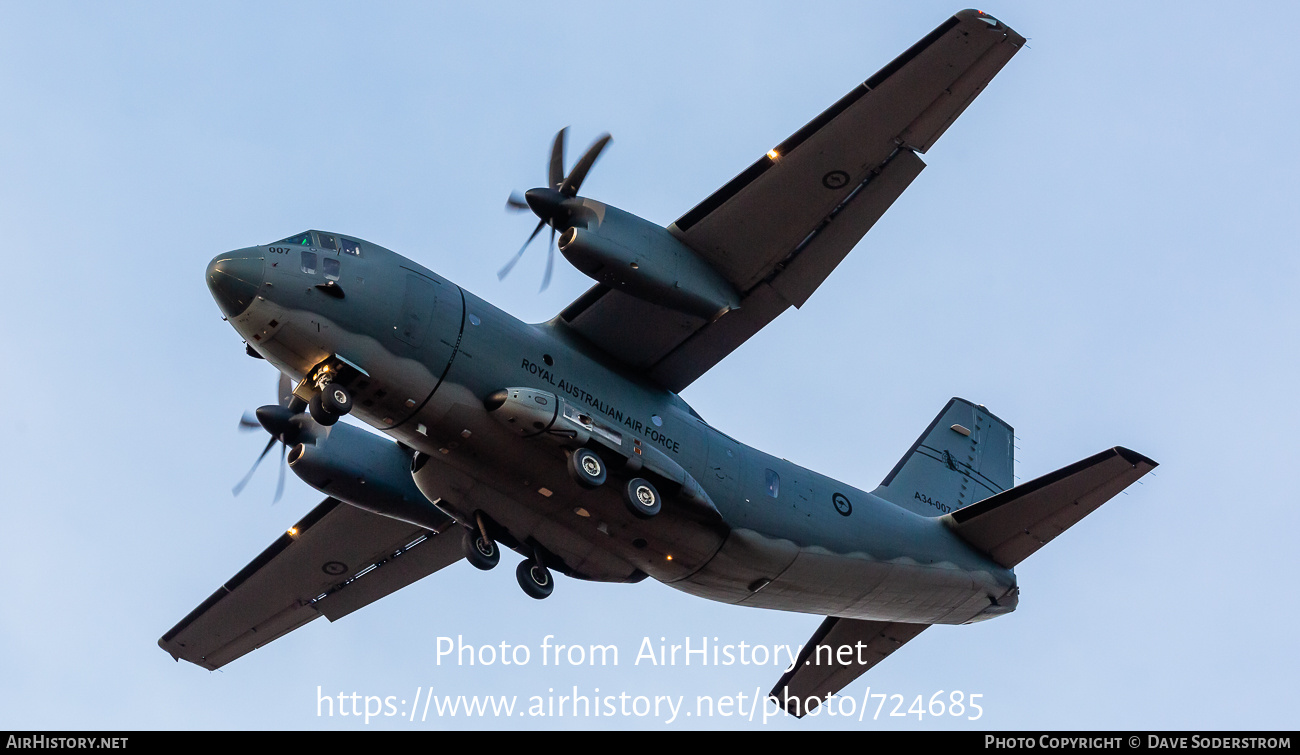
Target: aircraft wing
(823, 668)
(336, 560)
(777, 230)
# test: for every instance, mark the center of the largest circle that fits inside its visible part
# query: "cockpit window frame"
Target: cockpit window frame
(303, 239)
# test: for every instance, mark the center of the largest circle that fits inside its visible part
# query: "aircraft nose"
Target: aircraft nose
(234, 279)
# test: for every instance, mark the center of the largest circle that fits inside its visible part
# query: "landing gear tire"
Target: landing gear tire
(336, 400)
(480, 552)
(641, 498)
(535, 579)
(587, 468)
(319, 413)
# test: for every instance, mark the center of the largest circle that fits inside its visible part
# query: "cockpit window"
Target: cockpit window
(349, 246)
(327, 241)
(309, 262)
(331, 267)
(302, 239)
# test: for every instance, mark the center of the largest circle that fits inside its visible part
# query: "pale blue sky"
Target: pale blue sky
(1101, 251)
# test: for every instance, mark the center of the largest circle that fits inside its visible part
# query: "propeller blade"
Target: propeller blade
(574, 181)
(249, 422)
(510, 265)
(285, 390)
(279, 486)
(556, 172)
(550, 261)
(239, 488)
(517, 202)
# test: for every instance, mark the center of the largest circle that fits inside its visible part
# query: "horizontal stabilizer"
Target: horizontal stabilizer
(336, 560)
(1011, 525)
(840, 651)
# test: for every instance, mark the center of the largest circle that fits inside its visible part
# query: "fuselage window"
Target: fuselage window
(309, 262)
(349, 246)
(302, 239)
(773, 483)
(331, 267)
(327, 241)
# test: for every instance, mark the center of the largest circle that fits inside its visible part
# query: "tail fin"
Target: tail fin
(964, 456)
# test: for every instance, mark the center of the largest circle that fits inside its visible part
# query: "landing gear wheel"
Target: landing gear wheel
(587, 468)
(641, 497)
(319, 413)
(535, 578)
(480, 552)
(336, 400)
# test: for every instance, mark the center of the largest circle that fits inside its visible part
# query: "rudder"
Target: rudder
(966, 455)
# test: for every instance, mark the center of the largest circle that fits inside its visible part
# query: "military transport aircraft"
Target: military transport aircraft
(566, 441)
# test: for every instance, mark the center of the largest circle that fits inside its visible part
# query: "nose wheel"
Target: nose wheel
(534, 578)
(332, 402)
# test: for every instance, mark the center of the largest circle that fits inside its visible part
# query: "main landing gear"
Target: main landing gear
(534, 578)
(640, 496)
(482, 552)
(587, 468)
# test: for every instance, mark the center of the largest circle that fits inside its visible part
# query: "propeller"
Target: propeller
(553, 204)
(286, 423)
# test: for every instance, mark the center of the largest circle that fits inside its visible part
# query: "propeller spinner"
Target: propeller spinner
(553, 204)
(286, 422)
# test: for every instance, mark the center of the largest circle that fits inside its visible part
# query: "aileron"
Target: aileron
(780, 227)
(335, 560)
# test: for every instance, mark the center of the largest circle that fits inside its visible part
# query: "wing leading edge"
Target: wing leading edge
(777, 230)
(335, 560)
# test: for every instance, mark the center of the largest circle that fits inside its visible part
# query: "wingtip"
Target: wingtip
(1135, 458)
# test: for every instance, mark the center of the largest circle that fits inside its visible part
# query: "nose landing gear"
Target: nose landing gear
(333, 401)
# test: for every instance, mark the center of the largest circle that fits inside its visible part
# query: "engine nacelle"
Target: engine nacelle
(368, 472)
(644, 260)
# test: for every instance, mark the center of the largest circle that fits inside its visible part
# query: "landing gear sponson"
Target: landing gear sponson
(539, 414)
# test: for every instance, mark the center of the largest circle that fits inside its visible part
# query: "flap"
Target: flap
(780, 228)
(335, 560)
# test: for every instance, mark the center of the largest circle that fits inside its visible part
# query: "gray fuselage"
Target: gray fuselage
(774, 535)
